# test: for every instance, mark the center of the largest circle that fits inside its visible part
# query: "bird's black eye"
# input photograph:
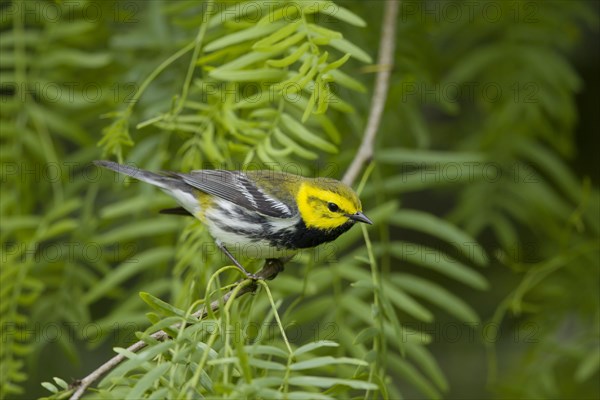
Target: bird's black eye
(333, 207)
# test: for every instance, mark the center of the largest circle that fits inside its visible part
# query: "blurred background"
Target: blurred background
(486, 159)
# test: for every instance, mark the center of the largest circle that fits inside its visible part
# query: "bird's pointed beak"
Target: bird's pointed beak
(360, 217)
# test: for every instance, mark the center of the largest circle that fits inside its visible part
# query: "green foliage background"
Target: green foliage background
(479, 278)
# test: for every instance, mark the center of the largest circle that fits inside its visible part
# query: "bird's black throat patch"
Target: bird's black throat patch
(302, 237)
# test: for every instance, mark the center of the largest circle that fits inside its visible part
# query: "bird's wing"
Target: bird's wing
(237, 188)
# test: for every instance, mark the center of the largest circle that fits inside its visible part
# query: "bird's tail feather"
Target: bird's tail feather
(176, 211)
(171, 184)
(152, 178)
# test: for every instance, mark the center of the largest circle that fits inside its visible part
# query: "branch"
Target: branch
(269, 271)
(385, 62)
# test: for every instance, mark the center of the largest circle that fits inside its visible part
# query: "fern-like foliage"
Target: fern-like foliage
(255, 88)
(42, 251)
(506, 107)
(471, 171)
(261, 88)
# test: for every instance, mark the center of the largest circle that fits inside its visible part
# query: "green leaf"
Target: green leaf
(224, 361)
(347, 81)
(336, 64)
(162, 306)
(326, 35)
(402, 156)
(135, 360)
(343, 14)
(250, 75)
(428, 364)
(412, 375)
(437, 295)
(70, 28)
(470, 66)
(554, 167)
(588, 366)
(253, 32)
(148, 380)
(250, 58)
(323, 382)
(307, 395)
(59, 228)
(278, 35)
(314, 345)
(267, 365)
(421, 179)
(166, 324)
(504, 230)
(541, 196)
(409, 305)
(138, 262)
(73, 58)
(126, 207)
(266, 350)
(232, 13)
(61, 383)
(314, 7)
(325, 361)
(442, 229)
(263, 156)
(364, 283)
(275, 152)
(268, 381)
(305, 135)
(291, 58)
(20, 222)
(63, 209)
(276, 14)
(140, 229)
(330, 128)
(347, 47)
(366, 334)
(50, 387)
(437, 261)
(296, 148)
(309, 106)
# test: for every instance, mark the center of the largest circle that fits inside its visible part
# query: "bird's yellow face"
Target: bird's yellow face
(328, 205)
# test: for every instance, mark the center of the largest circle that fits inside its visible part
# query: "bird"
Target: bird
(267, 213)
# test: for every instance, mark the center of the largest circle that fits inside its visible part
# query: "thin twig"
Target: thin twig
(269, 271)
(385, 62)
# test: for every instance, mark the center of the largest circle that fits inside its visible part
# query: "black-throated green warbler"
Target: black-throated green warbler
(270, 212)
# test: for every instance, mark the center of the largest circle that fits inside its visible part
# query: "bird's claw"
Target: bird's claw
(253, 277)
